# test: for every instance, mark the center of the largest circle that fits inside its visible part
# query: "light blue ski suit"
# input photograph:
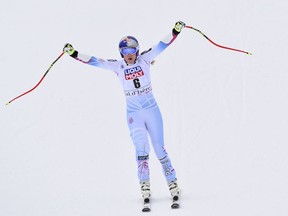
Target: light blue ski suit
(143, 115)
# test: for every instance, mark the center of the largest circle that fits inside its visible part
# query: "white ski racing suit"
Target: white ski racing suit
(143, 114)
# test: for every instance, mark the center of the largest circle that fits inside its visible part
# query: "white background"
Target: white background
(65, 147)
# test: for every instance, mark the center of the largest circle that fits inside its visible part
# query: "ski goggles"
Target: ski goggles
(128, 50)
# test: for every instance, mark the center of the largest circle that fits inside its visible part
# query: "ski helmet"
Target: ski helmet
(128, 42)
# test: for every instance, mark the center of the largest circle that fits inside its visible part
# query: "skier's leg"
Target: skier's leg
(142, 148)
(140, 140)
(154, 124)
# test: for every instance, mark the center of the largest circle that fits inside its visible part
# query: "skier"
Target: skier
(143, 115)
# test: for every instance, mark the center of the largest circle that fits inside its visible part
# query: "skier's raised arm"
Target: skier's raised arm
(108, 64)
(153, 52)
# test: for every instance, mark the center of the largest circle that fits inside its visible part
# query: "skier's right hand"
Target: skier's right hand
(178, 27)
(68, 48)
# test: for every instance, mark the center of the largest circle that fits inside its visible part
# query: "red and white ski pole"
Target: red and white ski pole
(39, 81)
(224, 47)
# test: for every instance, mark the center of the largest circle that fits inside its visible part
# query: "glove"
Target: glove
(68, 48)
(178, 27)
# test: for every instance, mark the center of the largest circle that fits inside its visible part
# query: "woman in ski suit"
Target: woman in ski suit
(143, 114)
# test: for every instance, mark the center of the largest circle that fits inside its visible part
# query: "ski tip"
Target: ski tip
(249, 53)
(175, 206)
(146, 206)
(7, 103)
(146, 210)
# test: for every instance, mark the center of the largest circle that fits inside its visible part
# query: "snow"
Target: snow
(65, 147)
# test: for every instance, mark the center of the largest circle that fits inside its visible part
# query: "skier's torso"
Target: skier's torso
(136, 83)
(135, 79)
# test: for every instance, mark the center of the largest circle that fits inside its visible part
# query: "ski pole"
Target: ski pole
(224, 47)
(39, 81)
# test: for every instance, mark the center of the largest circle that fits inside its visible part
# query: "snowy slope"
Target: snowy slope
(65, 148)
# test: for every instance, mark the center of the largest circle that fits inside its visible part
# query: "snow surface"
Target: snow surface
(65, 147)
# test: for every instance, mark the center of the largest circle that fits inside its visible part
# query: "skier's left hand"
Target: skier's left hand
(178, 27)
(68, 48)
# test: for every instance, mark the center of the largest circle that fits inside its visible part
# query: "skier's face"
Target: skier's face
(130, 58)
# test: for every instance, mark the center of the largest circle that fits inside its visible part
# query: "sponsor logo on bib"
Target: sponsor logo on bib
(133, 73)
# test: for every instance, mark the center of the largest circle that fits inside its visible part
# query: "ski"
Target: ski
(146, 205)
(175, 202)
